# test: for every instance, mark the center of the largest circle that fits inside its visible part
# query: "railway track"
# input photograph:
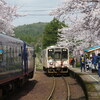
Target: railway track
(50, 88)
(53, 90)
(68, 89)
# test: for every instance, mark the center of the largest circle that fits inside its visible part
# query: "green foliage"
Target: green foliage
(39, 34)
(77, 64)
(51, 35)
(31, 33)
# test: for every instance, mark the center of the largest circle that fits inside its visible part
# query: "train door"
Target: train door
(30, 60)
(25, 59)
(57, 57)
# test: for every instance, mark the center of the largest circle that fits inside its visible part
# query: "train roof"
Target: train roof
(8, 39)
(56, 47)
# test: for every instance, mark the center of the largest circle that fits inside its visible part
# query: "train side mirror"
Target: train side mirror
(34, 55)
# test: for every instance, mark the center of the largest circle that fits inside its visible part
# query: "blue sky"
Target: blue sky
(38, 10)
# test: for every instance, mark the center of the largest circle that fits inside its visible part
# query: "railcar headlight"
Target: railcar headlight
(64, 49)
(50, 49)
(51, 63)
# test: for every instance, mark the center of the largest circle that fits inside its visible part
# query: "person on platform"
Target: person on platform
(94, 62)
(82, 62)
(98, 62)
(88, 64)
(73, 62)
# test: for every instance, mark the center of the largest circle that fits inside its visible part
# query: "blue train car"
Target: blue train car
(17, 62)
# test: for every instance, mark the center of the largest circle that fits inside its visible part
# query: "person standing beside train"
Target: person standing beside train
(88, 63)
(94, 62)
(73, 62)
(98, 62)
(82, 62)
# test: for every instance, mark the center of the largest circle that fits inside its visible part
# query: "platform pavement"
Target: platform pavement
(92, 82)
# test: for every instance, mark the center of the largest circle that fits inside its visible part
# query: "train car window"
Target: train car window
(15, 54)
(51, 53)
(19, 52)
(4, 54)
(7, 55)
(64, 53)
(57, 55)
(1, 53)
(11, 55)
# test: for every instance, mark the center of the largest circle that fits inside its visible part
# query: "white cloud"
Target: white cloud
(34, 7)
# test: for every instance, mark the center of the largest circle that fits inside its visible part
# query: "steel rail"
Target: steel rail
(68, 89)
(52, 91)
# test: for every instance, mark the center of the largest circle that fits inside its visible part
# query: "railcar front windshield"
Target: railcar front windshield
(64, 54)
(57, 55)
(51, 53)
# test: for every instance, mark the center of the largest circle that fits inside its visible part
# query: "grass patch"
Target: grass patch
(90, 87)
(77, 64)
(39, 68)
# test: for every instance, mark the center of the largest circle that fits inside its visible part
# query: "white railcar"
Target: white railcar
(55, 59)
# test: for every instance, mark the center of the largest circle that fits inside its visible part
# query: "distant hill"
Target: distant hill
(31, 33)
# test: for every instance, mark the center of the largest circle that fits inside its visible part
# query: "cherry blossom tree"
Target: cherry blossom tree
(7, 15)
(83, 17)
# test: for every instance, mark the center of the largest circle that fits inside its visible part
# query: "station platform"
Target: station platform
(91, 81)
